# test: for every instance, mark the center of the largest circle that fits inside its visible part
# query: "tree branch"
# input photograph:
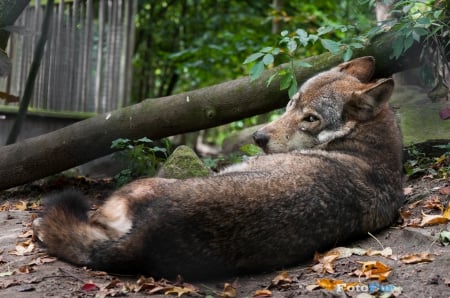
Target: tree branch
(83, 141)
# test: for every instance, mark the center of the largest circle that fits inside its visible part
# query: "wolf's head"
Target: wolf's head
(327, 107)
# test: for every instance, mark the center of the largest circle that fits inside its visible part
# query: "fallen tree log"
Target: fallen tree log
(86, 140)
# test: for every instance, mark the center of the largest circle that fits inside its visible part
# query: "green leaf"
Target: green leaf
(302, 36)
(424, 21)
(437, 13)
(276, 51)
(119, 143)
(330, 45)
(268, 59)
(324, 30)
(408, 42)
(144, 140)
(253, 57)
(285, 81)
(293, 88)
(256, 70)
(347, 54)
(271, 78)
(420, 31)
(284, 33)
(356, 45)
(397, 46)
(292, 45)
(267, 50)
(302, 64)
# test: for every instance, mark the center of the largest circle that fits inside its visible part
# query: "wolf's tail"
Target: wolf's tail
(64, 228)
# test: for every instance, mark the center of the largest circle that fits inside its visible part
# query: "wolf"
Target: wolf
(332, 172)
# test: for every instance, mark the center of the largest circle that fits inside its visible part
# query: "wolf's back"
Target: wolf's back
(65, 229)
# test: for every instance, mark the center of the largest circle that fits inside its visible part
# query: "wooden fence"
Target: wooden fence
(87, 62)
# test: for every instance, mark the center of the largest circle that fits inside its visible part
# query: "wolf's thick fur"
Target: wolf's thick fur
(333, 173)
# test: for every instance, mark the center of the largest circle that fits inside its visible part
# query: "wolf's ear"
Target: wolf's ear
(361, 68)
(365, 104)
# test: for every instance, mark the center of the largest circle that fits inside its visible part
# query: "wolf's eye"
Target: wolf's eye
(311, 118)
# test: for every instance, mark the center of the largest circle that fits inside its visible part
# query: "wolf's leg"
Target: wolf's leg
(115, 215)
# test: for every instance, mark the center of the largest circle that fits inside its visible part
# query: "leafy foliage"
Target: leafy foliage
(412, 21)
(142, 156)
(290, 43)
(420, 164)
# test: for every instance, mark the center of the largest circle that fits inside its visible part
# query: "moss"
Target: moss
(419, 116)
(183, 163)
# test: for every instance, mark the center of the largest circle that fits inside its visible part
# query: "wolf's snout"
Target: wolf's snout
(261, 139)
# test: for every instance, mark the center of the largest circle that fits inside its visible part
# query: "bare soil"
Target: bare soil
(26, 271)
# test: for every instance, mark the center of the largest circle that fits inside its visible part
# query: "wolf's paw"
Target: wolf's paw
(38, 234)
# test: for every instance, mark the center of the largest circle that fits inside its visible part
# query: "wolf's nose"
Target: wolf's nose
(261, 139)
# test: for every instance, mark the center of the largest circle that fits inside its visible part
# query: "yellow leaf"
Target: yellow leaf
(22, 206)
(428, 220)
(228, 291)
(417, 258)
(446, 213)
(179, 291)
(329, 284)
(263, 293)
(375, 270)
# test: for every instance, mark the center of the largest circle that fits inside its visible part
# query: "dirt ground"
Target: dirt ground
(405, 260)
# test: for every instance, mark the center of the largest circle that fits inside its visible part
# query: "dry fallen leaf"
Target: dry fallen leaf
(345, 252)
(25, 269)
(433, 203)
(23, 248)
(335, 285)
(229, 291)
(415, 204)
(42, 260)
(444, 190)
(329, 284)
(22, 206)
(26, 234)
(387, 252)
(417, 258)
(5, 207)
(262, 293)
(281, 279)
(325, 262)
(89, 286)
(374, 270)
(429, 220)
(407, 191)
(179, 291)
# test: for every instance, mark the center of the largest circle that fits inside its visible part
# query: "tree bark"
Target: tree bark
(83, 141)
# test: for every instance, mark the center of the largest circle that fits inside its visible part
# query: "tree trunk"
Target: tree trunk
(83, 141)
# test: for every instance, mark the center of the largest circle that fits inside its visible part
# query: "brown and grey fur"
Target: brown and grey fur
(332, 173)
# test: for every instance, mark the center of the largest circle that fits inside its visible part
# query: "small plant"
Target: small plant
(420, 164)
(143, 157)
